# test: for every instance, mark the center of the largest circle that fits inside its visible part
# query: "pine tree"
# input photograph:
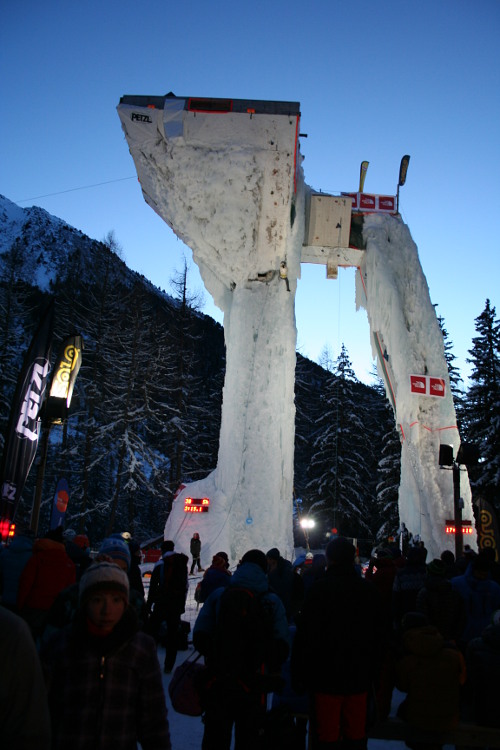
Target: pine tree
(483, 404)
(456, 382)
(388, 470)
(341, 484)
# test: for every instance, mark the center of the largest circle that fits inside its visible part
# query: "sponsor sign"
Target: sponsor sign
(425, 385)
(369, 203)
(24, 423)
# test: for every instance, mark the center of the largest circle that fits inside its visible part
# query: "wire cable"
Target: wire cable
(72, 190)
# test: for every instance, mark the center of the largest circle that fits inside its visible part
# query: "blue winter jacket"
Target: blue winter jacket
(251, 576)
(481, 597)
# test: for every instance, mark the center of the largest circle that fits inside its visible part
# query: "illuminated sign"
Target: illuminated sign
(466, 527)
(196, 505)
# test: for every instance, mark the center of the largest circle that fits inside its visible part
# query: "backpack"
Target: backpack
(244, 633)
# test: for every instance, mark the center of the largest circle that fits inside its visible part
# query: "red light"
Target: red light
(465, 530)
(7, 529)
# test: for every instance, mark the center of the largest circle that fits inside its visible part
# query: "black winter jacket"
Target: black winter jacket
(339, 641)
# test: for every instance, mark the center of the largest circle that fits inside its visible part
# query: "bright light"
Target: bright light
(307, 523)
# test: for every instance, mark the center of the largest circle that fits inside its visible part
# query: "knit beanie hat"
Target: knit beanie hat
(116, 549)
(436, 568)
(103, 576)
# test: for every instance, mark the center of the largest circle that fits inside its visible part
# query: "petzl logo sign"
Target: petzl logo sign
(138, 117)
(33, 389)
(424, 385)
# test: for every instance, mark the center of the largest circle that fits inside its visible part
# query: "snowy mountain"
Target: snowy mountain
(137, 427)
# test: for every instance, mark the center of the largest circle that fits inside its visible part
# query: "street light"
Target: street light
(307, 524)
(467, 455)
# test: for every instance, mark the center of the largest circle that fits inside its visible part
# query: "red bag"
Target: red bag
(186, 687)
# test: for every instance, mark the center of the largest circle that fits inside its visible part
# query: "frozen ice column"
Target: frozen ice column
(225, 175)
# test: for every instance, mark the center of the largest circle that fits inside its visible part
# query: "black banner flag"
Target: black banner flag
(487, 528)
(24, 423)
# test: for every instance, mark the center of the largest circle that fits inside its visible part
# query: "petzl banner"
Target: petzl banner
(487, 528)
(66, 369)
(61, 499)
(24, 423)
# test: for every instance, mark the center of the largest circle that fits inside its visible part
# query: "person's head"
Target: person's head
(273, 558)
(115, 550)
(436, 568)
(218, 562)
(82, 541)
(340, 552)
(224, 556)
(196, 535)
(167, 546)
(104, 595)
(448, 557)
(257, 557)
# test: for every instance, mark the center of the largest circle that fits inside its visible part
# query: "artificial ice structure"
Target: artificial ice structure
(226, 176)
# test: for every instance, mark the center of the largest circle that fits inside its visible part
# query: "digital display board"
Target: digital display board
(196, 505)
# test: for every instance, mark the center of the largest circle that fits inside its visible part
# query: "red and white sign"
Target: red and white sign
(436, 387)
(425, 385)
(373, 203)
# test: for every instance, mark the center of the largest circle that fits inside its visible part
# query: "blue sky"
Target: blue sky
(374, 80)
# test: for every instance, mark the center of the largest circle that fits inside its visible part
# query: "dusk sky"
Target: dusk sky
(375, 81)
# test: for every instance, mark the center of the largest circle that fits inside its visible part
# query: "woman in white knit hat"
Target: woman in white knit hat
(103, 675)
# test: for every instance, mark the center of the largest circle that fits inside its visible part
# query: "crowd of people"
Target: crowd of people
(295, 653)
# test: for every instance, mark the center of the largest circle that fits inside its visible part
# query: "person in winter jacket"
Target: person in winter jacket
(482, 689)
(481, 596)
(24, 710)
(195, 549)
(408, 581)
(235, 696)
(337, 650)
(167, 600)
(216, 576)
(381, 572)
(440, 603)
(13, 559)
(103, 677)
(283, 581)
(48, 571)
(63, 611)
(78, 549)
(431, 675)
